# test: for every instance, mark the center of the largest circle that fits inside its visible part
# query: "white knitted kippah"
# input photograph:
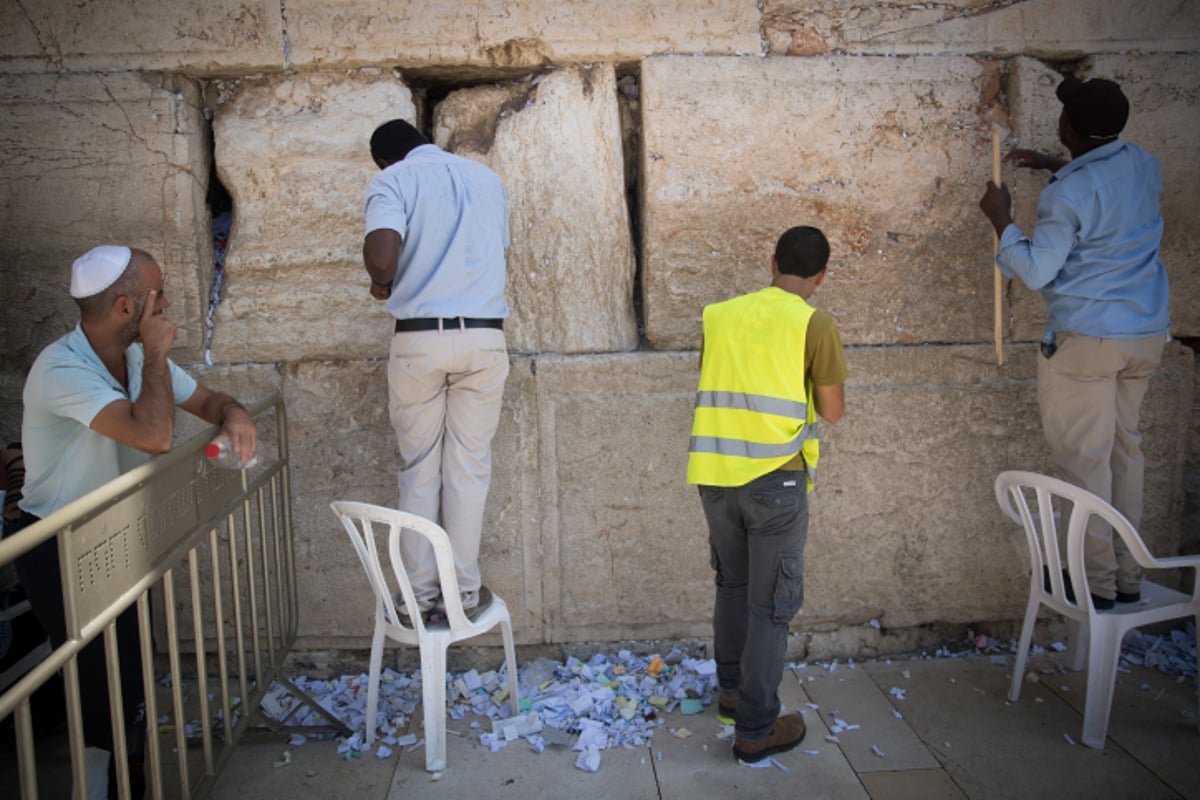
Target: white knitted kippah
(98, 268)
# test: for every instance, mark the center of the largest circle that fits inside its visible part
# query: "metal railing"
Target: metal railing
(206, 557)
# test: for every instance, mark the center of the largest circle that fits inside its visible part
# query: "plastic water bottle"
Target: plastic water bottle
(221, 454)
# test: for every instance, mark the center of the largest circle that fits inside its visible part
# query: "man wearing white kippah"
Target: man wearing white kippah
(98, 402)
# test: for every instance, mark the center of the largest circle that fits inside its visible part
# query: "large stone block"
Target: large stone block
(343, 448)
(904, 528)
(737, 150)
(1058, 29)
(556, 144)
(624, 540)
(1164, 111)
(93, 159)
(293, 152)
(506, 35)
(210, 37)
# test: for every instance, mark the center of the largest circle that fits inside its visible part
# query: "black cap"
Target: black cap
(1096, 108)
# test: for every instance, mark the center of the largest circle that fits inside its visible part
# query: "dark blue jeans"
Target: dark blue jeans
(756, 535)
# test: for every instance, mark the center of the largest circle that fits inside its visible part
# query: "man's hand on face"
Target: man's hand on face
(156, 331)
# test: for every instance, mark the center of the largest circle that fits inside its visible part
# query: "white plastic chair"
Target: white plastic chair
(360, 521)
(1095, 636)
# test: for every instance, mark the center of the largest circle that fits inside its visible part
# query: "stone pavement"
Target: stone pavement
(926, 728)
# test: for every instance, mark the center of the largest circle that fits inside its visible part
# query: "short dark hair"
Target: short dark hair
(96, 307)
(394, 140)
(1097, 108)
(802, 251)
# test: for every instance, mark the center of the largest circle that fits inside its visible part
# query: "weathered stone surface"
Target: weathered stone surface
(12, 384)
(1164, 113)
(1058, 29)
(905, 527)
(96, 159)
(293, 152)
(503, 34)
(213, 37)
(738, 150)
(343, 448)
(622, 531)
(556, 144)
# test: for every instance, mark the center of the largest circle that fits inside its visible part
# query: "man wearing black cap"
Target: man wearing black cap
(1094, 256)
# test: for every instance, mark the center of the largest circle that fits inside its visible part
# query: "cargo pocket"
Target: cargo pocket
(789, 587)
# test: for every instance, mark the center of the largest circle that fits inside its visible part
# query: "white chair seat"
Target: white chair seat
(1095, 635)
(360, 521)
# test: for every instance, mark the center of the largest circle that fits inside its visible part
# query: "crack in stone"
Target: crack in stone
(287, 43)
(55, 60)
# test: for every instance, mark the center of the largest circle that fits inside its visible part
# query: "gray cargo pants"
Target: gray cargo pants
(756, 536)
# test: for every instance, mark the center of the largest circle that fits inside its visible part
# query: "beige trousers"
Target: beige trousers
(445, 390)
(1090, 393)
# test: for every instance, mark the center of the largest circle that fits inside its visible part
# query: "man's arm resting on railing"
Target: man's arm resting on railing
(219, 408)
(149, 423)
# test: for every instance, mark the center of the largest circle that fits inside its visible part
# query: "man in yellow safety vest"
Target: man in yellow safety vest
(770, 364)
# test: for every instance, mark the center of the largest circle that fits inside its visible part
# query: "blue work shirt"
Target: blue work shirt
(1094, 251)
(67, 387)
(452, 217)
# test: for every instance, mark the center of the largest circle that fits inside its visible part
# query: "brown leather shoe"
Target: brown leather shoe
(788, 732)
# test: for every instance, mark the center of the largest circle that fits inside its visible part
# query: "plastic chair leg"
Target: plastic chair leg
(1077, 645)
(373, 680)
(433, 697)
(1103, 653)
(510, 659)
(1031, 610)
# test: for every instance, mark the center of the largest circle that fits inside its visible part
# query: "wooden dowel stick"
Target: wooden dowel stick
(997, 278)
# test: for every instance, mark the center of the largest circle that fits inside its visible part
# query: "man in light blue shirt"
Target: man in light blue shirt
(436, 232)
(1094, 256)
(98, 402)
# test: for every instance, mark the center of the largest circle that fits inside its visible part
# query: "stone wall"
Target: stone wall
(652, 154)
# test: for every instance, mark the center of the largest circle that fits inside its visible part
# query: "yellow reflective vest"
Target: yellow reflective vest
(753, 409)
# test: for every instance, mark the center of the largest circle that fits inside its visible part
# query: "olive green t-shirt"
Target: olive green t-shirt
(824, 360)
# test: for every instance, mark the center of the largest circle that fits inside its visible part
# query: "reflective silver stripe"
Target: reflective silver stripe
(745, 449)
(761, 403)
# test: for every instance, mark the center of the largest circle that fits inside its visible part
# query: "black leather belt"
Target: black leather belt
(446, 323)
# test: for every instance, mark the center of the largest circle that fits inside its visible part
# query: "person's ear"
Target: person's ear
(124, 306)
(774, 267)
(819, 278)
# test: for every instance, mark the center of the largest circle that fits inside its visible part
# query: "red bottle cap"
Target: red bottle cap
(212, 450)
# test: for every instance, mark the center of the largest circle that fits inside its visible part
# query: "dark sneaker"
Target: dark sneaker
(402, 612)
(483, 600)
(788, 732)
(1128, 597)
(1069, 590)
(727, 703)
(1102, 603)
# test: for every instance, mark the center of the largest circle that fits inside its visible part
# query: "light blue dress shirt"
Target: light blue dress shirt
(452, 216)
(1094, 250)
(67, 387)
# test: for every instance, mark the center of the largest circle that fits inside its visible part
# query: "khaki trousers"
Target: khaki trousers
(445, 391)
(1090, 393)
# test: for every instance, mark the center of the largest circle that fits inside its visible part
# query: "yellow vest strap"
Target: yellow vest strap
(761, 403)
(746, 449)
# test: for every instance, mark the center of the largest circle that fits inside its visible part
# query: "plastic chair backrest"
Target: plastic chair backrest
(1047, 538)
(360, 521)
